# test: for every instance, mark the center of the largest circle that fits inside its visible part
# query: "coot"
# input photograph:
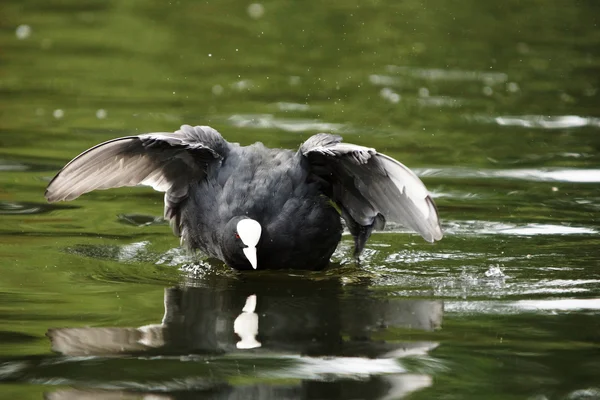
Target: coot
(254, 207)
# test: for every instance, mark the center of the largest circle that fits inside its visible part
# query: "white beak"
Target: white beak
(250, 253)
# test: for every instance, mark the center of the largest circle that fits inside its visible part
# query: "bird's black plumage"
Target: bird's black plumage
(211, 185)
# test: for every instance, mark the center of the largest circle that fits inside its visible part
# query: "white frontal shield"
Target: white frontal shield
(249, 232)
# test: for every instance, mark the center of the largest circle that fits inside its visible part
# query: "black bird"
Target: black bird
(255, 207)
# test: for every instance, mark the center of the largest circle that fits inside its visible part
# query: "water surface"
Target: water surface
(495, 106)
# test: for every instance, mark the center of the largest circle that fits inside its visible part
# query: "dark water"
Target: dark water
(494, 104)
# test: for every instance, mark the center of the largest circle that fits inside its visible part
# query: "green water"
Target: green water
(496, 105)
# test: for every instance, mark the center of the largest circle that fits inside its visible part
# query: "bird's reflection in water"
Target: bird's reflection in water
(330, 341)
(246, 325)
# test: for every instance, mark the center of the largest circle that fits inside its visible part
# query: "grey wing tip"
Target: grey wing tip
(54, 197)
(56, 192)
(435, 232)
(50, 195)
(53, 191)
(433, 236)
(436, 235)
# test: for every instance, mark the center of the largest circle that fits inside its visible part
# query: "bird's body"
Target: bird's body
(254, 207)
(250, 182)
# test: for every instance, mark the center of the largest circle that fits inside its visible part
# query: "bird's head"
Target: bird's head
(240, 239)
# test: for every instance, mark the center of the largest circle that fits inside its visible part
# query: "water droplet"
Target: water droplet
(512, 87)
(244, 84)
(389, 95)
(256, 10)
(217, 90)
(385, 92)
(101, 114)
(494, 271)
(567, 98)
(23, 32)
(423, 92)
(58, 113)
(488, 91)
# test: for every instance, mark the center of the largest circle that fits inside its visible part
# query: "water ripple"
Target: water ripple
(9, 166)
(418, 257)
(285, 106)
(140, 219)
(504, 228)
(440, 101)
(22, 166)
(515, 307)
(383, 80)
(268, 121)
(439, 74)
(530, 174)
(25, 207)
(548, 122)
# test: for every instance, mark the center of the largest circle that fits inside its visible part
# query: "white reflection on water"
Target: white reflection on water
(291, 125)
(439, 74)
(383, 80)
(501, 228)
(454, 195)
(7, 166)
(543, 229)
(285, 106)
(531, 174)
(246, 325)
(320, 367)
(400, 382)
(514, 307)
(548, 122)
(560, 305)
(416, 257)
(472, 227)
(440, 101)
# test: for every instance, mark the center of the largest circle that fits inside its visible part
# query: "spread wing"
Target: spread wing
(371, 187)
(168, 162)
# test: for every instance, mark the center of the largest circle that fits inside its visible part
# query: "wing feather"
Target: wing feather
(168, 162)
(367, 183)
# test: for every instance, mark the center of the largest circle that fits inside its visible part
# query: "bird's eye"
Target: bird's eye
(237, 236)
